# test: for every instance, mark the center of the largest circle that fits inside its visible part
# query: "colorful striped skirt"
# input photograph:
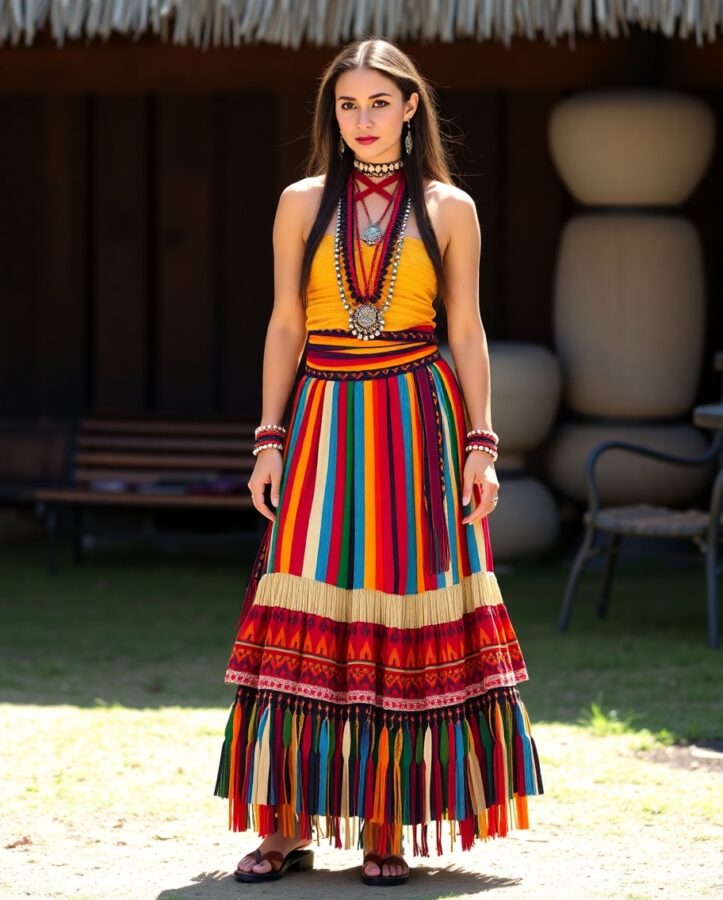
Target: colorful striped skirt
(375, 661)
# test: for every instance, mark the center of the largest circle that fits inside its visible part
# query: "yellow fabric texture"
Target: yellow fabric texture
(412, 301)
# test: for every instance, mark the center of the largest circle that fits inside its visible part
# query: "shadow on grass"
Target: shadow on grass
(140, 630)
(425, 883)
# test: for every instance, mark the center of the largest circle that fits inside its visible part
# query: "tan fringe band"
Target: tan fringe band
(436, 607)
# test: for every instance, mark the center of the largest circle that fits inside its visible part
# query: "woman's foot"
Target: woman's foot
(276, 842)
(375, 866)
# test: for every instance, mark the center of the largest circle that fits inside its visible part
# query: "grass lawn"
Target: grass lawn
(112, 706)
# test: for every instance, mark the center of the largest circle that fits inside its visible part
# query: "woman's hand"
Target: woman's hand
(479, 468)
(267, 470)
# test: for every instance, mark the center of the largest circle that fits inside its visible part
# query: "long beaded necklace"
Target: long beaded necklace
(366, 281)
(366, 319)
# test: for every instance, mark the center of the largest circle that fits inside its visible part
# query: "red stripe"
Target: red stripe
(381, 493)
(401, 476)
(338, 485)
(384, 514)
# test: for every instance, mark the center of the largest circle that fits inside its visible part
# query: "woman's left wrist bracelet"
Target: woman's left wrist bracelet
(268, 437)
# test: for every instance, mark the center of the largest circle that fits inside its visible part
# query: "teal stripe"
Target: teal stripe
(292, 437)
(405, 385)
(327, 466)
(449, 486)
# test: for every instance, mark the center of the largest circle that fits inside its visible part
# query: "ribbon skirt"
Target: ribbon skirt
(375, 661)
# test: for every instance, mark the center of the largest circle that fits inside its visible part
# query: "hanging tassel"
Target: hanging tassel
(500, 771)
(261, 761)
(287, 790)
(381, 774)
(441, 736)
(437, 800)
(474, 774)
(460, 810)
(251, 733)
(487, 743)
(363, 768)
(344, 806)
(323, 765)
(233, 768)
(397, 789)
(427, 774)
(406, 779)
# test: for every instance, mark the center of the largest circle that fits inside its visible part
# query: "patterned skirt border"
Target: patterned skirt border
(294, 764)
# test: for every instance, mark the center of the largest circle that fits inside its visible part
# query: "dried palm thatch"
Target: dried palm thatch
(289, 23)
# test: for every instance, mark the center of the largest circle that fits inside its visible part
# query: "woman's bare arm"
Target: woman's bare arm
(286, 331)
(468, 342)
(285, 335)
(466, 334)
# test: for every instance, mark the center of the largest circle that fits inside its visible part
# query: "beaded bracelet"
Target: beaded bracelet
(492, 453)
(268, 437)
(279, 428)
(483, 431)
(269, 445)
(484, 441)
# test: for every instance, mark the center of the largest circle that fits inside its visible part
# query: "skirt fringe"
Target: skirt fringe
(297, 765)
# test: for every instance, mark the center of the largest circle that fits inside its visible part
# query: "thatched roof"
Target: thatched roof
(289, 23)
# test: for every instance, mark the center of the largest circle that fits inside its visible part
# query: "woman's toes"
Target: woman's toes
(262, 867)
(372, 869)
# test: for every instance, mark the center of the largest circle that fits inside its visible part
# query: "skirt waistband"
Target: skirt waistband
(337, 354)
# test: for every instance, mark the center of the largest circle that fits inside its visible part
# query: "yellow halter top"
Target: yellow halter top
(412, 301)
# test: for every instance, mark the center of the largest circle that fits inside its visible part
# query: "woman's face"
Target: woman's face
(370, 105)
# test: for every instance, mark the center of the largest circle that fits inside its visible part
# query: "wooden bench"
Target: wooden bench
(151, 464)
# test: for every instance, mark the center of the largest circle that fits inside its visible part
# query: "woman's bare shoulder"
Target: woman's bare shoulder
(301, 199)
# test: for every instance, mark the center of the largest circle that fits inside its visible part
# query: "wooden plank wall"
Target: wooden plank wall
(136, 249)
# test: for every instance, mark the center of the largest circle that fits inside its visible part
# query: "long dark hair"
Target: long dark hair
(429, 157)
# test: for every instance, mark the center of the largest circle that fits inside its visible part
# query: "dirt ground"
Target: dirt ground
(614, 822)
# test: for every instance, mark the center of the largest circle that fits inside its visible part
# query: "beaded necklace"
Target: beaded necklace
(366, 319)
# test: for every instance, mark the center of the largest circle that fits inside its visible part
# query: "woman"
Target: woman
(375, 662)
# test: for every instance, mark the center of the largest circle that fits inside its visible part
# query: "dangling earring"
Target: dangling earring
(408, 140)
(342, 145)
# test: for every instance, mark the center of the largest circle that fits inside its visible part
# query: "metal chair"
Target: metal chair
(703, 528)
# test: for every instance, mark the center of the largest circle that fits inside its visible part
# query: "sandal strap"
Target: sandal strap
(372, 857)
(272, 856)
(395, 860)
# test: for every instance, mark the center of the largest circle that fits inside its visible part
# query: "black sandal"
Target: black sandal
(383, 880)
(296, 859)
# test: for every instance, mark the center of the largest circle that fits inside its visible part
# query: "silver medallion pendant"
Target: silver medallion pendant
(372, 234)
(365, 321)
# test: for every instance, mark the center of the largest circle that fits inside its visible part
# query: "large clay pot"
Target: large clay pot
(629, 314)
(526, 522)
(625, 147)
(525, 396)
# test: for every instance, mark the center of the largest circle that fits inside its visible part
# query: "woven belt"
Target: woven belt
(337, 354)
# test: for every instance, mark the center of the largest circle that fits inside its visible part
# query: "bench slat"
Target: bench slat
(181, 444)
(171, 426)
(161, 461)
(100, 498)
